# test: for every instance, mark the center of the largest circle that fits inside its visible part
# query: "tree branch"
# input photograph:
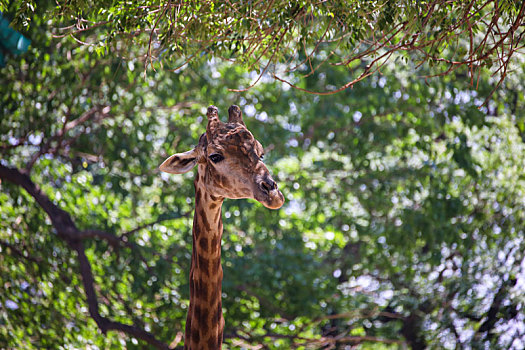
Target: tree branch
(103, 323)
(96, 113)
(64, 225)
(113, 240)
(67, 230)
(20, 253)
(124, 236)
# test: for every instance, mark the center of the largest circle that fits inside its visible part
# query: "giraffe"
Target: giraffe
(229, 165)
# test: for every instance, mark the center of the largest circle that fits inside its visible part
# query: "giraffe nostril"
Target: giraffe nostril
(265, 186)
(268, 184)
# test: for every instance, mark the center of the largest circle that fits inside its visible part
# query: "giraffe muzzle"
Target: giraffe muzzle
(268, 194)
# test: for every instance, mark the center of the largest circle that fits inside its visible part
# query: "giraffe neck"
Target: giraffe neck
(205, 323)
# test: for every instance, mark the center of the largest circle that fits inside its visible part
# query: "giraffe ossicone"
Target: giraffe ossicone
(229, 162)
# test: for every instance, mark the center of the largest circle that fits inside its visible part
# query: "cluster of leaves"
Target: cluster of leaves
(403, 224)
(281, 37)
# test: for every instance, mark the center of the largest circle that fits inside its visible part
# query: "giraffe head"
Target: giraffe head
(230, 161)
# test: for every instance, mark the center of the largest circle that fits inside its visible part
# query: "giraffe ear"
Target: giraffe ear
(180, 163)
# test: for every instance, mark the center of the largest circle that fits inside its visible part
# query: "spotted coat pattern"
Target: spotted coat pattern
(230, 165)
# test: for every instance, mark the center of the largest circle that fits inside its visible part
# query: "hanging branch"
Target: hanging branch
(250, 34)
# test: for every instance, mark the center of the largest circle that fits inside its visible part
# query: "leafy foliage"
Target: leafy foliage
(404, 216)
(280, 38)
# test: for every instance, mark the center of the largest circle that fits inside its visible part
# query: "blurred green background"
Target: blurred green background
(402, 227)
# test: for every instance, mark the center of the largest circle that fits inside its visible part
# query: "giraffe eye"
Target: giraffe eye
(216, 157)
(261, 157)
